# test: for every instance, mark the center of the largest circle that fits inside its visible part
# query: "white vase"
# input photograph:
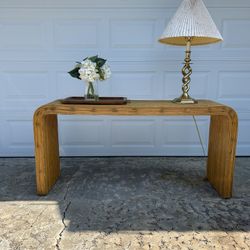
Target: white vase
(91, 91)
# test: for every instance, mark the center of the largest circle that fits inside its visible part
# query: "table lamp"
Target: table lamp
(191, 25)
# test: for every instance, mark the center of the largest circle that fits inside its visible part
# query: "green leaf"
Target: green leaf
(93, 58)
(74, 73)
(100, 62)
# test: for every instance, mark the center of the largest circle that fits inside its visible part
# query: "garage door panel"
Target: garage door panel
(16, 135)
(59, 34)
(41, 41)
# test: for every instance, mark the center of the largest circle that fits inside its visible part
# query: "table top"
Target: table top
(139, 107)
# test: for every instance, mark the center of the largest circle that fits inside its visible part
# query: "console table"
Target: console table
(222, 136)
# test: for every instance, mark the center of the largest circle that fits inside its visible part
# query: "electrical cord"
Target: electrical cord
(199, 135)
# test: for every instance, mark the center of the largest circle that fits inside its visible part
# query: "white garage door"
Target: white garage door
(41, 40)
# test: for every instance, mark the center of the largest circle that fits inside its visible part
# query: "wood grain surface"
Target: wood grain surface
(222, 138)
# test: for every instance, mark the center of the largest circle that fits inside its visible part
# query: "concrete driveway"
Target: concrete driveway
(123, 203)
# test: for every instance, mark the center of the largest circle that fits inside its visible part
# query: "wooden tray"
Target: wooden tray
(100, 101)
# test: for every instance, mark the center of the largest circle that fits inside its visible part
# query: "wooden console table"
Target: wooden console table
(222, 136)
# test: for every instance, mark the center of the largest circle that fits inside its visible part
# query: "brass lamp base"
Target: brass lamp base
(186, 72)
(184, 100)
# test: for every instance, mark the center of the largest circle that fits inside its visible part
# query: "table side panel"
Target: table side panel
(46, 151)
(221, 153)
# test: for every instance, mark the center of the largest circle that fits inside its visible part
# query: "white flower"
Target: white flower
(88, 71)
(88, 64)
(106, 71)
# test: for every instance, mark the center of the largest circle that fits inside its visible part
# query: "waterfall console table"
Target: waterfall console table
(222, 136)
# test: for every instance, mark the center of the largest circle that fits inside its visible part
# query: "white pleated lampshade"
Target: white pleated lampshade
(192, 19)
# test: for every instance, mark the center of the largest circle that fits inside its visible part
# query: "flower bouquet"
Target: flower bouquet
(90, 70)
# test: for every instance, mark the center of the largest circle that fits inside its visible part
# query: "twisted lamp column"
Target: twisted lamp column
(186, 72)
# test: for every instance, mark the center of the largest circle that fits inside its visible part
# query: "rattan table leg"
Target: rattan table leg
(46, 151)
(221, 152)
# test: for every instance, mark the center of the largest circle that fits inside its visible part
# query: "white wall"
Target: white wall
(41, 40)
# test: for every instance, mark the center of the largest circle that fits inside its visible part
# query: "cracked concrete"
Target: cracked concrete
(64, 226)
(123, 203)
